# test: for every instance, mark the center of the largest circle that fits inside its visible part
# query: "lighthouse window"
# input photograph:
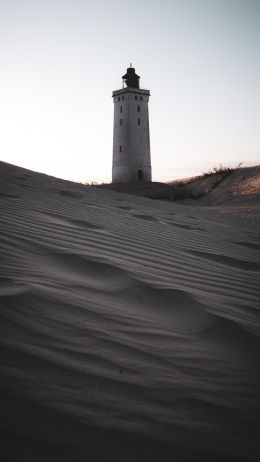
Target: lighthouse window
(121, 109)
(138, 108)
(120, 148)
(123, 98)
(138, 121)
(121, 122)
(141, 98)
(135, 97)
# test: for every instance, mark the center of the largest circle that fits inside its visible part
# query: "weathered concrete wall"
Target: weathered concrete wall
(131, 141)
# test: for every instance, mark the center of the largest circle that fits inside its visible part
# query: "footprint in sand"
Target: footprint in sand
(68, 193)
(181, 226)
(124, 207)
(144, 217)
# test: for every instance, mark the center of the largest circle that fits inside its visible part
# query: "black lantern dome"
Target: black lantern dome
(131, 78)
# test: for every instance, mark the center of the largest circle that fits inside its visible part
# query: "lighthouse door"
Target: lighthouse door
(140, 175)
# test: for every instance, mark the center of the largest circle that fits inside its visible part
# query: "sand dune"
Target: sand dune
(129, 327)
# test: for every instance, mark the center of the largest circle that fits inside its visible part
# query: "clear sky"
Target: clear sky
(61, 60)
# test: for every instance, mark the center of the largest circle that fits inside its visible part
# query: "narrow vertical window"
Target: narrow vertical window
(121, 122)
(135, 96)
(141, 98)
(120, 148)
(121, 109)
(119, 98)
(123, 98)
(138, 108)
(138, 121)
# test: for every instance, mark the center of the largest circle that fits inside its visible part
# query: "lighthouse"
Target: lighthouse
(131, 139)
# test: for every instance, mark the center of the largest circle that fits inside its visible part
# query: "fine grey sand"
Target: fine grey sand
(129, 328)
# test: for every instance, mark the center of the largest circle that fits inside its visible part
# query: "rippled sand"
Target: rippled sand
(129, 328)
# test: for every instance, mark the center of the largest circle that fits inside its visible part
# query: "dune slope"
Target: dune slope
(129, 328)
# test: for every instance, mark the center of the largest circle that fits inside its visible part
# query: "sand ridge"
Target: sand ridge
(129, 327)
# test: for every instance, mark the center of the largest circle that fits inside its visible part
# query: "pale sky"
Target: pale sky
(61, 60)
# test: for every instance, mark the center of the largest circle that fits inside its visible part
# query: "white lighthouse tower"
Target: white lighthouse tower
(131, 141)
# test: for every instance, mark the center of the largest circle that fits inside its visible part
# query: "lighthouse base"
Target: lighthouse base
(133, 173)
